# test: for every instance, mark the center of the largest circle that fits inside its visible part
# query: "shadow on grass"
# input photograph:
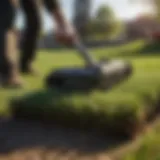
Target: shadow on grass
(79, 111)
(147, 49)
(151, 48)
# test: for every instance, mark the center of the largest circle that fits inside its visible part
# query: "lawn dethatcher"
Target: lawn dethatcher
(101, 75)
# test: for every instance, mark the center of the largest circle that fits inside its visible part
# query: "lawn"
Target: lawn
(124, 109)
(149, 147)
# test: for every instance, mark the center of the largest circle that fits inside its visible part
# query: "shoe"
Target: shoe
(11, 82)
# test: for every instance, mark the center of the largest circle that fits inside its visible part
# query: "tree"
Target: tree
(104, 24)
(105, 13)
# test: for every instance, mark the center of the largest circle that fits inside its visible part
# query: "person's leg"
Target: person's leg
(3, 65)
(31, 33)
(8, 48)
(51, 5)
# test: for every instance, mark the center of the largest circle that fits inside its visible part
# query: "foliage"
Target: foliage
(104, 24)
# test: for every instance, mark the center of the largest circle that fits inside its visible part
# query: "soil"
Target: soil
(28, 140)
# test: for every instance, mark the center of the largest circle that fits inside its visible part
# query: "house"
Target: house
(143, 27)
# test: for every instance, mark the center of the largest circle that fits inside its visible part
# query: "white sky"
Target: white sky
(124, 9)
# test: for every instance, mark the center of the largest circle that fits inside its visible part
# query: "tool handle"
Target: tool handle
(84, 53)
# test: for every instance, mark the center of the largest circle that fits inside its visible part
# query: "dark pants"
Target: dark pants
(7, 15)
(32, 29)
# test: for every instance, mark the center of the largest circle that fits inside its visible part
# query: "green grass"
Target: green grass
(46, 61)
(124, 108)
(149, 147)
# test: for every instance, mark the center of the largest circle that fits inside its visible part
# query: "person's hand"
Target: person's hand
(66, 35)
(15, 3)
